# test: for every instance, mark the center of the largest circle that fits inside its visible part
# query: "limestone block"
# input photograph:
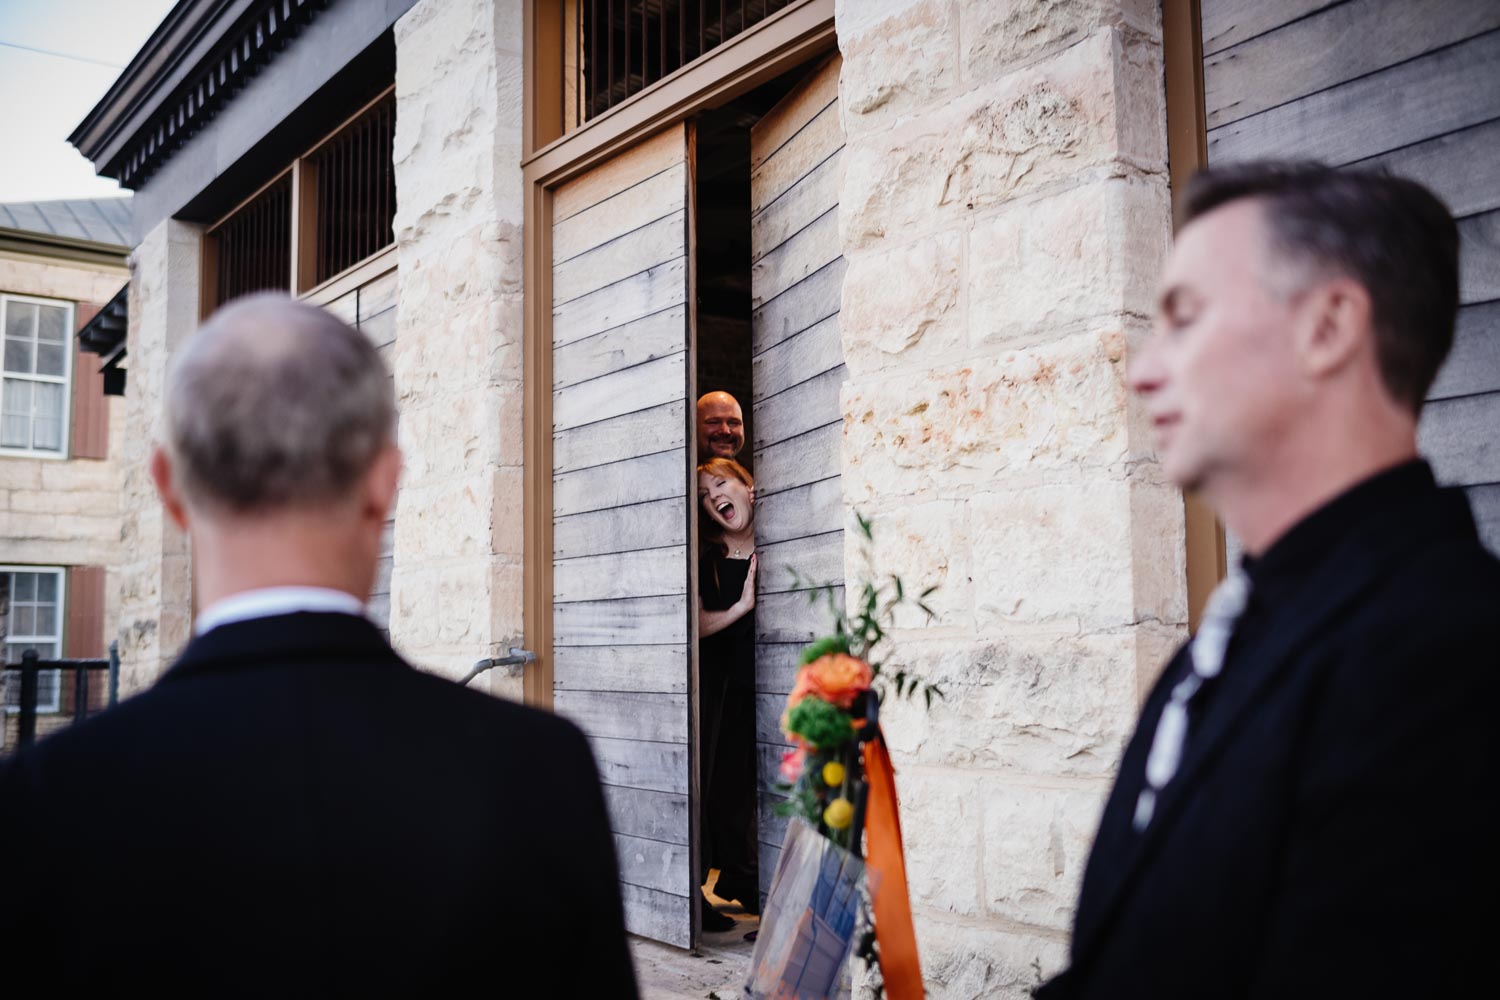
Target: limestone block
(414, 603)
(506, 603)
(1016, 134)
(1054, 556)
(509, 491)
(999, 36)
(74, 281)
(899, 65)
(965, 961)
(940, 822)
(1158, 553)
(458, 94)
(449, 438)
(20, 474)
(1045, 705)
(853, 17)
(439, 519)
(464, 603)
(80, 474)
(927, 545)
(1036, 844)
(1054, 408)
(59, 500)
(903, 306)
(1089, 252)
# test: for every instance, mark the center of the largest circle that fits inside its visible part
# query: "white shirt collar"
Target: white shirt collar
(268, 601)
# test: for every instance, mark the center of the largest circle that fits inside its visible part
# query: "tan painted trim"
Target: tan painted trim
(537, 455)
(1187, 152)
(208, 274)
(304, 227)
(387, 92)
(214, 226)
(790, 38)
(346, 281)
(24, 243)
(785, 40)
(304, 201)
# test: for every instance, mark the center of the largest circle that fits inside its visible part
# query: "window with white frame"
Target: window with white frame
(37, 363)
(31, 617)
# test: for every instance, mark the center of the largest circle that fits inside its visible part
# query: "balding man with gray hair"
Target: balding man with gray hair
(293, 809)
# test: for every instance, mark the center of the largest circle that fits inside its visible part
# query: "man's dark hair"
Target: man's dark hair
(1391, 235)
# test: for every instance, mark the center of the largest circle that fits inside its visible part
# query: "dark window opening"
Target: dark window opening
(254, 245)
(356, 185)
(614, 49)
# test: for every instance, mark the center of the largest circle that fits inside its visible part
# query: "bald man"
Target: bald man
(292, 809)
(721, 426)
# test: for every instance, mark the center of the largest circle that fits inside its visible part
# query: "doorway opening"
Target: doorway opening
(740, 688)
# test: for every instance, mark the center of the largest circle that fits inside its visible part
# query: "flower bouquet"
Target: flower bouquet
(841, 868)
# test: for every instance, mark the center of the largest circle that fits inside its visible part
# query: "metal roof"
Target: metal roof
(97, 220)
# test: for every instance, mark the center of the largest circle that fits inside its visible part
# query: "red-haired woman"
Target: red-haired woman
(726, 672)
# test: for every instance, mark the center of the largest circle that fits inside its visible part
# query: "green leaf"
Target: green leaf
(821, 647)
(864, 526)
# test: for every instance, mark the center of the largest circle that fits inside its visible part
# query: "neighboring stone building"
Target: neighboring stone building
(60, 440)
(929, 231)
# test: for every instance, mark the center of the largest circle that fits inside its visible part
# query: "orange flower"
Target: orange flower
(836, 678)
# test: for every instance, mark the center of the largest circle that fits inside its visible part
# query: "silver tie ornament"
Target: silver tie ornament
(1224, 607)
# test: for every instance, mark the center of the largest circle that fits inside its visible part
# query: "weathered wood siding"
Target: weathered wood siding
(1412, 86)
(371, 308)
(796, 280)
(622, 580)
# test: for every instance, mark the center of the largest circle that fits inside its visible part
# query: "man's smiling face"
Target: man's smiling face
(721, 426)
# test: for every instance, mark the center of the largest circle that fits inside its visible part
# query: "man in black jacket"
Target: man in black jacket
(293, 810)
(1306, 807)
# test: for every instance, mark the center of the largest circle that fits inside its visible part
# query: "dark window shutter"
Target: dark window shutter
(84, 635)
(90, 406)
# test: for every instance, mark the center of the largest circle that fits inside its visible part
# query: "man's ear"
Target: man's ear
(1333, 327)
(171, 500)
(381, 483)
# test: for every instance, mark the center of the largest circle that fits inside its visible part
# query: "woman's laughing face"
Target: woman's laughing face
(727, 500)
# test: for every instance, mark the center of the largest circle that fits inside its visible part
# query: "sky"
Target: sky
(44, 95)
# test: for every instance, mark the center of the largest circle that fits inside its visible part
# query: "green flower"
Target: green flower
(825, 726)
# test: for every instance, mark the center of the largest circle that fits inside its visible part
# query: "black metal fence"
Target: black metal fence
(85, 698)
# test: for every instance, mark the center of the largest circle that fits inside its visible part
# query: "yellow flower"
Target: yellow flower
(839, 814)
(833, 773)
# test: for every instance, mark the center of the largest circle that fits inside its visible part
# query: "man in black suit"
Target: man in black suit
(293, 810)
(1306, 807)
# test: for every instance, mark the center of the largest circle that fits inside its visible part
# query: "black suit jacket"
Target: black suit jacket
(1330, 831)
(293, 810)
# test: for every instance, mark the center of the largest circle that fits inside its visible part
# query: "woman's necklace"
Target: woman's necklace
(739, 550)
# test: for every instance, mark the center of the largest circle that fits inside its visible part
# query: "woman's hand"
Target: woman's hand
(746, 603)
(713, 622)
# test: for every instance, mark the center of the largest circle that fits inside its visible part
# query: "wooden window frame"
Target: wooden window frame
(789, 38)
(65, 452)
(303, 282)
(1187, 152)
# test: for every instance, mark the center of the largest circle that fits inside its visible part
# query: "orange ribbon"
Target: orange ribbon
(900, 967)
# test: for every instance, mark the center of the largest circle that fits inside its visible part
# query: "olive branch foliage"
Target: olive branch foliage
(859, 630)
(863, 627)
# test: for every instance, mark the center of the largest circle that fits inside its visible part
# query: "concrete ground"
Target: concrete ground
(718, 972)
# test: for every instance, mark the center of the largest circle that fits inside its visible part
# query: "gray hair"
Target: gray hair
(273, 404)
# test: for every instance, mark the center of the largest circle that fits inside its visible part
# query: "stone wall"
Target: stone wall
(1012, 155)
(155, 580)
(456, 583)
(62, 512)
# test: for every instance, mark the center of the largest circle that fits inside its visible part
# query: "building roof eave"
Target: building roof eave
(203, 51)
